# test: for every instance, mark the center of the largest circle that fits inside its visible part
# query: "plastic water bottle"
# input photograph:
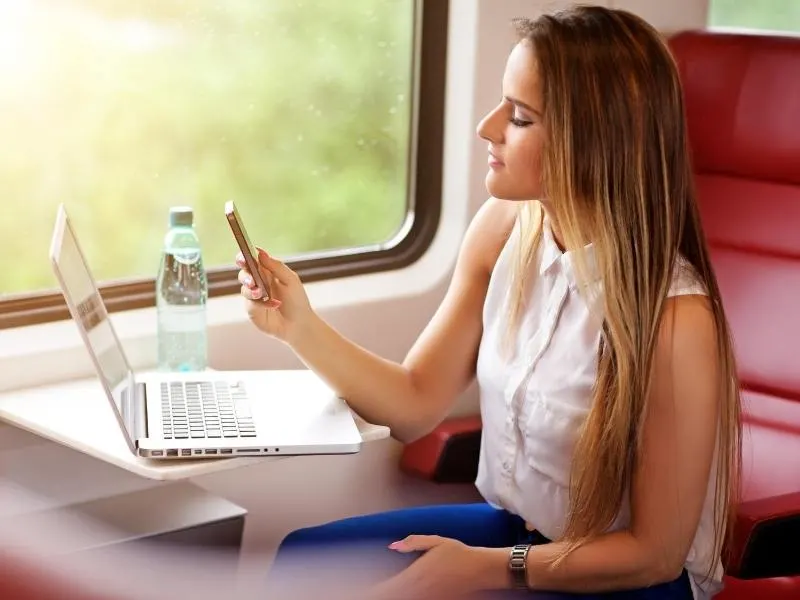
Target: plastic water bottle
(181, 296)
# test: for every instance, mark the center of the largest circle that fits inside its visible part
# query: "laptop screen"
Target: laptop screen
(87, 308)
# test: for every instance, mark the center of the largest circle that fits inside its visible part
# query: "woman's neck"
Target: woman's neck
(555, 230)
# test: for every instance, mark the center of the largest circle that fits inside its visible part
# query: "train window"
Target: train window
(322, 120)
(770, 15)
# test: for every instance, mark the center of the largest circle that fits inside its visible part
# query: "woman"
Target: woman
(584, 302)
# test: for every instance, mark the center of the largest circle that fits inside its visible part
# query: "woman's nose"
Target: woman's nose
(488, 128)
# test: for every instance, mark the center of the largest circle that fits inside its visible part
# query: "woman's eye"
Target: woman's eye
(517, 122)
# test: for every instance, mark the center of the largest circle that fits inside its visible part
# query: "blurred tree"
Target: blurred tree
(297, 109)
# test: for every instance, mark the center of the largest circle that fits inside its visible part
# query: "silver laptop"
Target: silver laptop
(204, 414)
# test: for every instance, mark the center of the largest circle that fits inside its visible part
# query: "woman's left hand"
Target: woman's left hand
(449, 569)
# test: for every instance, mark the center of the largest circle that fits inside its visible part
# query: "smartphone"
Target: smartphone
(246, 246)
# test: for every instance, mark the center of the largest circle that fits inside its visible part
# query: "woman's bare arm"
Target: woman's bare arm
(413, 397)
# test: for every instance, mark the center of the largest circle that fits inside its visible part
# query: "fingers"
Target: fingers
(416, 543)
(254, 292)
(245, 278)
(251, 293)
(255, 295)
(273, 266)
(271, 303)
(278, 269)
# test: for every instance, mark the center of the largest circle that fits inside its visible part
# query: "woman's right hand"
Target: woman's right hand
(288, 310)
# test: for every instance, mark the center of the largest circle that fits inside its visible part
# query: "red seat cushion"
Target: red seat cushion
(779, 588)
(771, 447)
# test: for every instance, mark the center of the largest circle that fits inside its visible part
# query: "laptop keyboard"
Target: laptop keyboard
(205, 409)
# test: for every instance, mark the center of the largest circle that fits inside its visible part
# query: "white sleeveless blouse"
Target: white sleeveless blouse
(534, 400)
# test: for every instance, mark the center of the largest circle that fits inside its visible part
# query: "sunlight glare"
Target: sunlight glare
(16, 20)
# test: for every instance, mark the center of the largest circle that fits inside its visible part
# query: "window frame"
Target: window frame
(425, 166)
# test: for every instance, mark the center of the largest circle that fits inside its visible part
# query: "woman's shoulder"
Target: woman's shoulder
(490, 230)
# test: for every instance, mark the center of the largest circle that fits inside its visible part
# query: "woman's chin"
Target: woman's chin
(502, 190)
(494, 185)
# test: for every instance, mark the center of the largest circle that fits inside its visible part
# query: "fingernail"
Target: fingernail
(395, 545)
(248, 281)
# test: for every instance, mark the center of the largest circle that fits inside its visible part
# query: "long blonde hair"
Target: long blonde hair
(616, 169)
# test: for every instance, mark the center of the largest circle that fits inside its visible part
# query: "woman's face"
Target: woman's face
(515, 131)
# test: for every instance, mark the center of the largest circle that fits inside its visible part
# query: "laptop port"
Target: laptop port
(172, 453)
(186, 452)
(157, 453)
(248, 451)
(211, 451)
(226, 451)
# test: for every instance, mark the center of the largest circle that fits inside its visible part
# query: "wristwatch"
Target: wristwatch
(518, 566)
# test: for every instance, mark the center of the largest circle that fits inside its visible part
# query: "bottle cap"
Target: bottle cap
(181, 216)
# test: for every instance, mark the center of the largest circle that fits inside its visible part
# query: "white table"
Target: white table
(77, 415)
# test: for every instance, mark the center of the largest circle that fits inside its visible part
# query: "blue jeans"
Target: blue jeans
(357, 548)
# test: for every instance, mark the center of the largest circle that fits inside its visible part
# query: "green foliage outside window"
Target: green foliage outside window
(299, 110)
(775, 15)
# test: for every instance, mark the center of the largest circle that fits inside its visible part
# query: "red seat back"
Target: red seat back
(743, 109)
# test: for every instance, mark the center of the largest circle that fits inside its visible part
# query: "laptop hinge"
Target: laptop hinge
(134, 411)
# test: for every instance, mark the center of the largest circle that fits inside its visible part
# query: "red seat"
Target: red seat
(743, 109)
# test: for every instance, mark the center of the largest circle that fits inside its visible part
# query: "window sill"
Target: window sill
(53, 352)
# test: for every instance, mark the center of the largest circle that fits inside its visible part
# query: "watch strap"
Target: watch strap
(518, 566)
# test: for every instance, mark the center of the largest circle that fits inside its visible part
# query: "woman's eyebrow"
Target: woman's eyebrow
(521, 104)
